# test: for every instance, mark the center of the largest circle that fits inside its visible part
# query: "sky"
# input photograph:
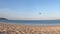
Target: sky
(30, 9)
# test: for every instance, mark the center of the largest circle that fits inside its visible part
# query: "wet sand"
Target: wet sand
(6, 28)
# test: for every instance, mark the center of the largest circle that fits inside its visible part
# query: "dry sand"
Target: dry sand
(26, 29)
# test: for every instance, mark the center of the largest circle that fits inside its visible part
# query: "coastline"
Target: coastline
(32, 24)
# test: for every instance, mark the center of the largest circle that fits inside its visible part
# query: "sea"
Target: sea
(33, 22)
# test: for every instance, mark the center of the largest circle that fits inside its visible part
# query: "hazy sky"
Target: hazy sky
(30, 9)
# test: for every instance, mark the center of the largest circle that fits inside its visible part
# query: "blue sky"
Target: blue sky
(30, 9)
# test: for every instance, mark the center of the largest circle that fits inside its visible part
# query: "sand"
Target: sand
(6, 28)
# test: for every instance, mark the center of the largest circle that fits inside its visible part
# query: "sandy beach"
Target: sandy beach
(6, 28)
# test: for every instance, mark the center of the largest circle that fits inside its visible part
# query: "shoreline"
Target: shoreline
(32, 24)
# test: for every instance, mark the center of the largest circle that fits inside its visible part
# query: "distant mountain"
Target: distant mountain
(3, 19)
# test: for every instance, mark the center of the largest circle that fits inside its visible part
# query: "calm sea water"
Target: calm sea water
(33, 22)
